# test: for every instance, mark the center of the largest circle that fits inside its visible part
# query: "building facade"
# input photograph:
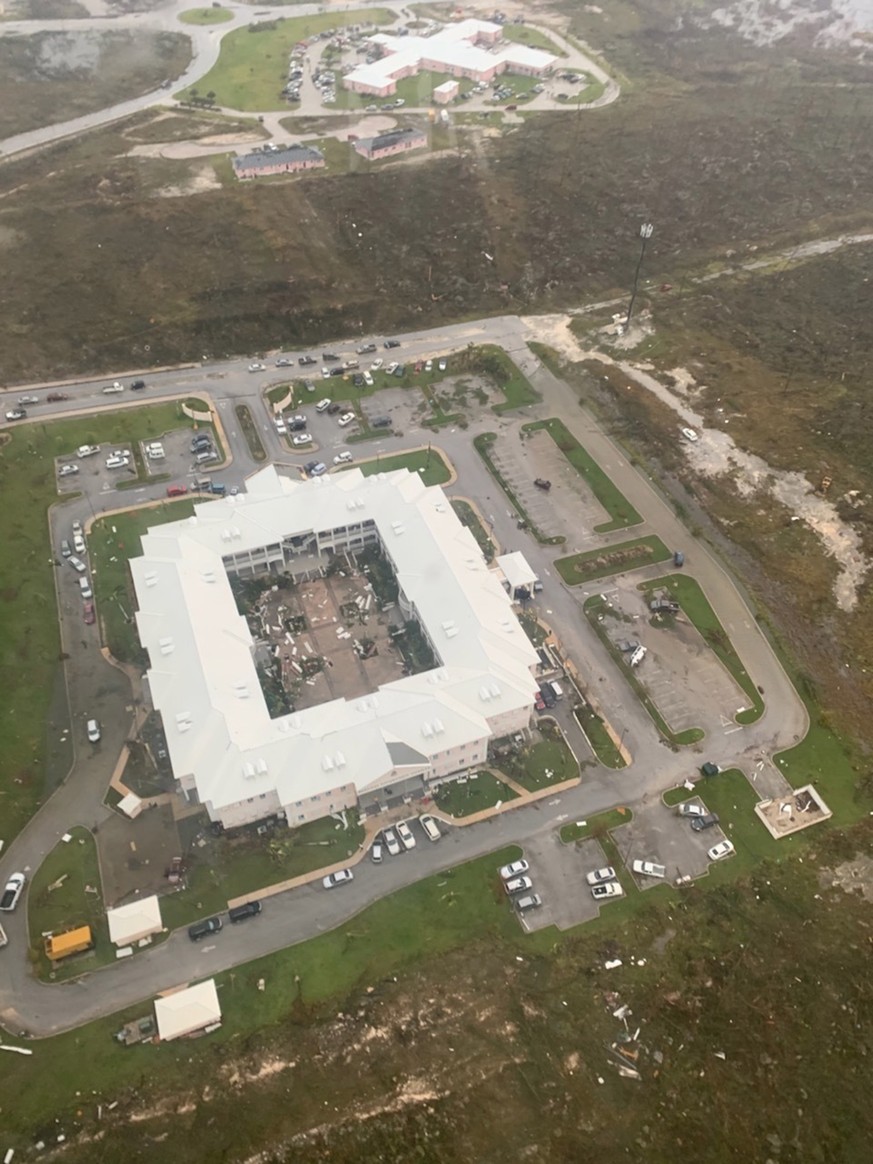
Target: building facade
(388, 145)
(291, 160)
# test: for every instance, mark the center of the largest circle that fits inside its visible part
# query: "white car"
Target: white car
(342, 458)
(301, 438)
(518, 885)
(16, 414)
(389, 371)
(341, 877)
(325, 372)
(77, 529)
(598, 876)
(376, 365)
(368, 379)
(376, 853)
(610, 889)
(87, 450)
(79, 544)
(112, 388)
(722, 849)
(93, 731)
(67, 470)
(428, 367)
(346, 418)
(115, 462)
(442, 365)
(649, 869)
(688, 808)
(323, 405)
(391, 842)
(514, 870)
(12, 892)
(280, 427)
(28, 400)
(689, 434)
(256, 367)
(405, 834)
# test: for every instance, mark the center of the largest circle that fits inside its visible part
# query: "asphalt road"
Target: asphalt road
(26, 1004)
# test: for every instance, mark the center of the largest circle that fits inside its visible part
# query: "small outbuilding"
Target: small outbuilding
(64, 945)
(130, 805)
(518, 576)
(446, 92)
(188, 1011)
(387, 145)
(135, 921)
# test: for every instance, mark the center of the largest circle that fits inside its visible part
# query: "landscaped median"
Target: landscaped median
(695, 606)
(618, 559)
(603, 745)
(621, 513)
(595, 608)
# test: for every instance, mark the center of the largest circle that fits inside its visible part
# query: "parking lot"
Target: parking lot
(558, 874)
(686, 681)
(659, 834)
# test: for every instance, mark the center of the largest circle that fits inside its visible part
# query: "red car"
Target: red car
(539, 702)
(54, 397)
(177, 490)
(88, 613)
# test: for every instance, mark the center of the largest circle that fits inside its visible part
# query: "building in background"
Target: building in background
(388, 145)
(290, 160)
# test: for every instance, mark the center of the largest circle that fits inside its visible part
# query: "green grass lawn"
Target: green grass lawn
(206, 16)
(423, 921)
(250, 432)
(253, 66)
(695, 605)
(598, 737)
(548, 762)
(467, 516)
(418, 90)
(492, 362)
(225, 868)
(524, 34)
(621, 513)
(616, 559)
(112, 542)
(75, 864)
(824, 759)
(532, 628)
(33, 760)
(474, 795)
(428, 463)
(595, 826)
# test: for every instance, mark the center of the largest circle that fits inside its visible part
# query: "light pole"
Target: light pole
(646, 231)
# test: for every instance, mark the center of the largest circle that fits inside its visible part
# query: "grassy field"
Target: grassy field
(533, 37)
(206, 16)
(253, 66)
(695, 605)
(621, 512)
(53, 76)
(76, 901)
(428, 463)
(224, 868)
(473, 795)
(549, 761)
(596, 826)
(620, 558)
(598, 737)
(250, 432)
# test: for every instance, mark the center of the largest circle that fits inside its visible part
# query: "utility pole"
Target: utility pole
(646, 231)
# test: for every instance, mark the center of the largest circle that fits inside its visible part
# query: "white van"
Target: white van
(85, 587)
(431, 831)
(557, 688)
(206, 455)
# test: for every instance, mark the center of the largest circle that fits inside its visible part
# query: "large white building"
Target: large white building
(471, 48)
(225, 749)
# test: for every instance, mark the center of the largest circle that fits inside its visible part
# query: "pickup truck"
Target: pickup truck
(12, 892)
(649, 869)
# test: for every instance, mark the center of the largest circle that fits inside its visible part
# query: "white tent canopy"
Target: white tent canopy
(187, 1010)
(516, 570)
(136, 920)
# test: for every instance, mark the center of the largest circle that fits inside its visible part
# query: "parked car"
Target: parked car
(93, 730)
(77, 529)
(342, 458)
(202, 929)
(366, 349)
(246, 910)
(699, 823)
(722, 849)
(346, 418)
(284, 362)
(67, 470)
(117, 462)
(88, 614)
(335, 408)
(137, 385)
(329, 357)
(12, 892)
(598, 876)
(65, 549)
(301, 438)
(318, 469)
(28, 400)
(649, 869)
(323, 405)
(110, 389)
(442, 365)
(405, 834)
(548, 696)
(341, 877)
(531, 901)
(368, 380)
(79, 543)
(507, 872)
(689, 434)
(710, 769)
(518, 885)
(376, 365)
(376, 853)
(16, 414)
(610, 889)
(392, 368)
(380, 422)
(392, 343)
(87, 450)
(176, 490)
(391, 842)
(78, 565)
(539, 702)
(428, 366)
(430, 827)
(305, 361)
(688, 808)
(541, 483)
(56, 397)
(257, 367)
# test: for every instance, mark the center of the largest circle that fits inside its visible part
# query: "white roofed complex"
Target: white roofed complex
(225, 749)
(470, 48)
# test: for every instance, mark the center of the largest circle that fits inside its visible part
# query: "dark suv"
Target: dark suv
(241, 912)
(202, 929)
(704, 822)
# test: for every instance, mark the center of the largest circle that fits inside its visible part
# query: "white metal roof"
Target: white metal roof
(516, 569)
(203, 677)
(453, 47)
(187, 1010)
(134, 920)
